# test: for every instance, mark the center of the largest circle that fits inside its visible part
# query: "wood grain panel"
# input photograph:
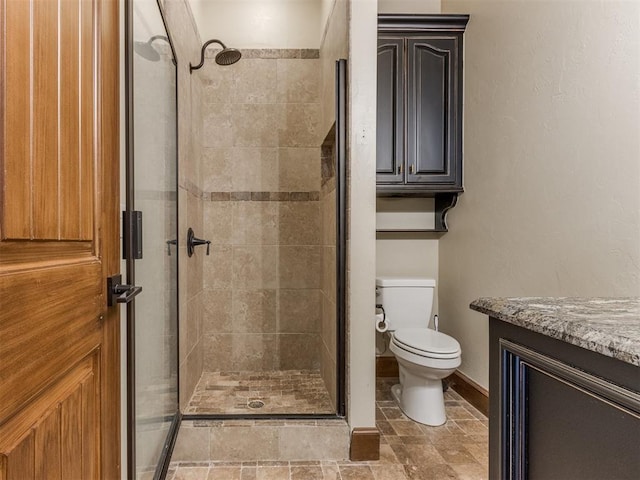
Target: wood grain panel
(22, 255)
(90, 426)
(71, 435)
(69, 120)
(48, 446)
(109, 145)
(15, 161)
(87, 138)
(19, 463)
(66, 330)
(49, 153)
(45, 120)
(55, 435)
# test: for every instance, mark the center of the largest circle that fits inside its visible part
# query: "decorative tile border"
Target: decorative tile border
(271, 53)
(312, 196)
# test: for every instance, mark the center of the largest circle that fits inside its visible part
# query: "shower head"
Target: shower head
(227, 56)
(146, 49)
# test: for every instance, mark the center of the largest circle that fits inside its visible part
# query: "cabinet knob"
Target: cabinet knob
(399, 169)
(411, 169)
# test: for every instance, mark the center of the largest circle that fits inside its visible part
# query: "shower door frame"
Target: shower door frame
(340, 142)
(127, 247)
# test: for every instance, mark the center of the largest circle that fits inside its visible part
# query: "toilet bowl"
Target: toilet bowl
(424, 356)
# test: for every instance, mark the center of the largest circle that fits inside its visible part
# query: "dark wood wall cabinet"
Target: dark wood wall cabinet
(419, 114)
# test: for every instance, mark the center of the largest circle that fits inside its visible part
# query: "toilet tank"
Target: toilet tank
(407, 301)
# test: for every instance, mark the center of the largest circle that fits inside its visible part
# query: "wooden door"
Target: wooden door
(59, 343)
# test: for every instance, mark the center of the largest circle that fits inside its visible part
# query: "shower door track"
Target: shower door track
(261, 416)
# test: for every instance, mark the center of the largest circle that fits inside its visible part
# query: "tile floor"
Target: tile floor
(456, 450)
(285, 391)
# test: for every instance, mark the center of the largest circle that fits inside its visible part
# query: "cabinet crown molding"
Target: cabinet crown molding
(401, 22)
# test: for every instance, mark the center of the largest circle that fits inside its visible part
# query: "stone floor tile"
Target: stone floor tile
(472, 427)
(430, 472)
(387, 456)
(472, 471)
(479, 451)
(309, 472)
(281, 391)
(393, 413)
(424, 454)
(402, 453)
(273, 473)
(360, 472)
(406, 427)
(330, 471)
(459, 413)
(388, 472)
(455, 454)
(457, 450)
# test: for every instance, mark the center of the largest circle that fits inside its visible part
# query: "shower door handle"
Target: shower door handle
(118, 293)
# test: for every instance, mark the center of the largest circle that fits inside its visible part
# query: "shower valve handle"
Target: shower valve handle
(193, 241)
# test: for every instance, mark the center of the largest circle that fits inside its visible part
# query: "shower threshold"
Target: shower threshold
(268, 392)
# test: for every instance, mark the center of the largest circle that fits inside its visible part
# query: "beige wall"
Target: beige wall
(362, 15)
(409, 6)
(260, 23)
(406, 254)
(552, 160)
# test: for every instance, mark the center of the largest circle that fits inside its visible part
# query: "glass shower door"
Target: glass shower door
(150, 232)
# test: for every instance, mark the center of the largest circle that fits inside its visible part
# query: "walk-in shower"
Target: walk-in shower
(260, 185)
(269, 301)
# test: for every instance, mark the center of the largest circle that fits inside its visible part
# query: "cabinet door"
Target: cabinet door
(390, 111)
(434, 152)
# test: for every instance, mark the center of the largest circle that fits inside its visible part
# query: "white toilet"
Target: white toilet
(424, 356)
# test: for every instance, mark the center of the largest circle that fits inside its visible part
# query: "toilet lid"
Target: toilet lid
(426, 341)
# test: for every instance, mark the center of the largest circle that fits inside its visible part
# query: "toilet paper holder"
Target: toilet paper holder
(381, 325)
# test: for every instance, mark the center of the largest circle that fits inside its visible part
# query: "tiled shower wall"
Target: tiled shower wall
(261, 185)
(187, 44)
(328, 288)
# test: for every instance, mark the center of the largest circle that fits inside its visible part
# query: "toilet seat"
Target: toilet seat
(426, 343)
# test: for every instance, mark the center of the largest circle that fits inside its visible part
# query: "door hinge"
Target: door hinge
(131, 235)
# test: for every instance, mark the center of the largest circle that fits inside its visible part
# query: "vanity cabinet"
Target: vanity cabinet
(558, 411)
(419, 105)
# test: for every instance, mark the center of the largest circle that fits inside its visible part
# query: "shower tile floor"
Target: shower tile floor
(457, 450)
(283, 391)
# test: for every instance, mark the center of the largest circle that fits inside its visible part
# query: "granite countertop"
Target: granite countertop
(610, 326)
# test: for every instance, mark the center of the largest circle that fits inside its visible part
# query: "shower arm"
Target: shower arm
(204, 47)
